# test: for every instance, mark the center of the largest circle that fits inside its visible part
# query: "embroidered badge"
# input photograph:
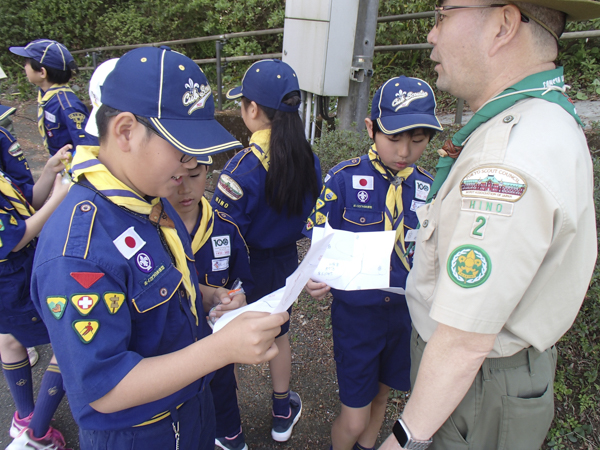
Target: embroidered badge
(113, 301)
(57, 306)
(329, 195)
(49, 117)
(86, 279)
(1, 243)
(15, 149)
(362, 182)
(229, 187)
(327, 177)
(494, 183)
(487, 206)
(221, 246)
(320, 218)
(469, 266)
(309, 224)
(320, 204)
(403, 98)
(144, 262)
(414, 205)
(197, 95)
(86, 329)
(129, 243)
(220, 264)
(479, 225)
(362, 196)
(77, 118)
(421, 190)
(13, 221)
(1, 225)
(84, 302)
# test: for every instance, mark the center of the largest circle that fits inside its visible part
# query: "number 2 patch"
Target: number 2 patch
(479, 225)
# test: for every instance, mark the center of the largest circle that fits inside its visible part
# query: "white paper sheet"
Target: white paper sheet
(355, 261)
(283, 298)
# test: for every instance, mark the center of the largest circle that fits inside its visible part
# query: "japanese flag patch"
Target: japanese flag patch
(362, 182)
(129, 243)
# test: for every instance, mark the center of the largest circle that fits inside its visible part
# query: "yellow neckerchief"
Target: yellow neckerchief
(86, 164)
(259, 143)
(43, 101)
(394, 209)
(14, 196)
(205, 228)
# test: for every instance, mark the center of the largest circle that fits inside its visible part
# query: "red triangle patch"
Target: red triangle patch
(86, 279)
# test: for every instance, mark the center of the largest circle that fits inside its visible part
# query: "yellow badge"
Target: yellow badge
(113, 301)
(57, 306)
(320, 203)
(86, 329)
(320, 219)
(78, 118)
(329, 195)
(309, 224)
(84, 302)
(13, 221)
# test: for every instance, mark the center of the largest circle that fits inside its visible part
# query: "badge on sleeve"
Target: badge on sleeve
(494, 183)
(330, 195)
(129, 242)
(469, 266)
(84, 302)
(86, 329)
(86, 279)
(77, 118)
(13, 221)
(362, 182)
(320, 204)
(309, 224)
(1, 225)
(15, 149)
(113, 301)
(327, 177)
(57, 306)
(230, 187)
(320, 218)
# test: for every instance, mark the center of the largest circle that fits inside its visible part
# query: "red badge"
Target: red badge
(87, 279)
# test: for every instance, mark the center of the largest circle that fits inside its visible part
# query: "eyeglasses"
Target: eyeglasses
(185, 158)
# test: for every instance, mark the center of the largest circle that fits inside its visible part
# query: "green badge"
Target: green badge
(1, 225)
(57, 306)
(469, 266)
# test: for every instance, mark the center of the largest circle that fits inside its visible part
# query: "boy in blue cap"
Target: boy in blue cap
(132, 337)
(375, 192)
(61, 115)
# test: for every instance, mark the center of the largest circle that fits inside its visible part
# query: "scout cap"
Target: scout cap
(47, 52)
(404, 103)
(171, 91)
(574, 9)
(267, 82)
(96, 83)
(6, 111)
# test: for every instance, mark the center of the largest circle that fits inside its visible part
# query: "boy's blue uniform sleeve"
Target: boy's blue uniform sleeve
(14, 164)
(12, 228)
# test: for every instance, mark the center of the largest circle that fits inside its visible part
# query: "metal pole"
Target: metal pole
(353, 109)
(94, 60)
(307, 109)
(314, 124)
(219, 47)
(460, 106)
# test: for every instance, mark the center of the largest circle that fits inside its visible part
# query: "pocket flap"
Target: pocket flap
(362, 218)
(159, 291)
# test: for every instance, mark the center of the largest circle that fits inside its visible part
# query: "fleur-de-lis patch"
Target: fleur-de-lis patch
(196, 96)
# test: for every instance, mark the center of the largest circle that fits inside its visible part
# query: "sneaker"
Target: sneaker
(33, 356)
(53, 440)
(232, 443)
(283, 426)
(19, 424)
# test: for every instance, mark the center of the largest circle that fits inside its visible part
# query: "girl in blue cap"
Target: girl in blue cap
(269, 190)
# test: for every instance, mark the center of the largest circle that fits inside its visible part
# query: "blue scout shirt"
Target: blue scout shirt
(241, 193)
(353, 199)
(224, 256)
(65, 117)
(110, 295)
(14, 164)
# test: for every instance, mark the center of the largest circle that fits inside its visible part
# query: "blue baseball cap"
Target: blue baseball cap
(6, 111)
(47, 52)
(267, 82)
(171, 91)
(404, 103)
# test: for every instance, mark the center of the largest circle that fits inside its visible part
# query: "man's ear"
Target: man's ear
(369, 124)
(122, 128)
(509, 22)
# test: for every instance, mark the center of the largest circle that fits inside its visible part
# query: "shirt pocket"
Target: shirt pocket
(216, 279)
(357, 219)
(425, 267)
(159, 291)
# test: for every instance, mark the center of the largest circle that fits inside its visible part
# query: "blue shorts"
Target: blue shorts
(18, 315)
(270, 268)
(371, 345)
(196, 430)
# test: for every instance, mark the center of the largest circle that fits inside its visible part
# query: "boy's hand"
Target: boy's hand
(55, 163)
(317, 290)
(59, 191)
(224, 302)
(251, 336)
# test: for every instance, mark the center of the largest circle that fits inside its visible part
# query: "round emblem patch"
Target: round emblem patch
(229, 187)
(362, 196)
(144, 262)
(469, 266)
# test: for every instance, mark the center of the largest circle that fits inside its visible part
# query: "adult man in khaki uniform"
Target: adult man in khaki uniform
(506, 250)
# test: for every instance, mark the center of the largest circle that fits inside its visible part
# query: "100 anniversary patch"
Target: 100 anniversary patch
(493, 183)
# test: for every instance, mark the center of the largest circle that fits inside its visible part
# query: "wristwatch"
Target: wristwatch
(405, 438)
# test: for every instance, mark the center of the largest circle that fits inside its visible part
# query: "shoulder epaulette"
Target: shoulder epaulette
(63, 99)
(242, 154)
(77, 243)
(424, 172)
(5, 132)
(344, 164)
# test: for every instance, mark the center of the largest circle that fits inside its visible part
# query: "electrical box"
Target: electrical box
(318, 42)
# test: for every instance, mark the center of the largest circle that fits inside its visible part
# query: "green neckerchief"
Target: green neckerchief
(548, 85)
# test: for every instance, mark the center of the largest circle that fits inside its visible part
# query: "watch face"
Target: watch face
(400, 434)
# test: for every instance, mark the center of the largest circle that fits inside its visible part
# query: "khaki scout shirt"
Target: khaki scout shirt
(509, 244)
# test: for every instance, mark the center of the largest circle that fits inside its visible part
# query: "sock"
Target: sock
(281, 403)
(18, 378)
(51, 393)
(357, 446)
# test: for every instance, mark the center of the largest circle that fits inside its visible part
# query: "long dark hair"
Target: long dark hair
(291, 176)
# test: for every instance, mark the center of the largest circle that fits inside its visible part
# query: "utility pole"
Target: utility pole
(353, 108)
